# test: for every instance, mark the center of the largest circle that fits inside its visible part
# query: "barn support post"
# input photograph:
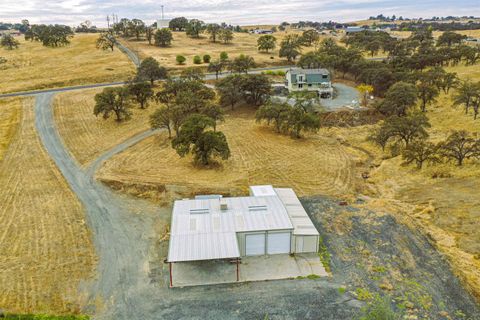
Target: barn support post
(238, 272)
(170, 268)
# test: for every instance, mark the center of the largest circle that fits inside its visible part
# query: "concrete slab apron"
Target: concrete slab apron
(121, 237)
(257, 268)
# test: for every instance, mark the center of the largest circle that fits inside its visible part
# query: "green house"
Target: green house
(319, 80)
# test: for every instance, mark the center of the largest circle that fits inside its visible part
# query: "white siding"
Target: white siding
(278, 242)
(255, 244)
(305, 244)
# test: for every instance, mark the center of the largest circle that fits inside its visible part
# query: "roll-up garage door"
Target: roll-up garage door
(254, 244)
(278, 242)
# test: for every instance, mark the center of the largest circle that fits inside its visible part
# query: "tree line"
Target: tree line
(404, 130)
(190, 110)
(407, 59)
(50, 35)
(163, 37)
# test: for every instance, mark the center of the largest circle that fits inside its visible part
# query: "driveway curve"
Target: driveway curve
(121, 236)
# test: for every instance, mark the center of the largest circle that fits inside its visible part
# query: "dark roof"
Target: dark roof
(354, 29)
(308, 71)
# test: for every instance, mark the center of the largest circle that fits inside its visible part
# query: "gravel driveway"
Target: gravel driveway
(346, 96)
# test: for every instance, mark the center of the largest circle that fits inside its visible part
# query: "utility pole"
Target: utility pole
(162, 13)
(108, 22)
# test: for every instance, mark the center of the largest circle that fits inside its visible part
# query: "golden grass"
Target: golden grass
(45, 246)
(87, 136)
(315, 165)
(33, 66)
(243, 43)
(9, 120)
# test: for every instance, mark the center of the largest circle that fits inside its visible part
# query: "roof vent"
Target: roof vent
(223, 205)
(257, 208)
(199, 211)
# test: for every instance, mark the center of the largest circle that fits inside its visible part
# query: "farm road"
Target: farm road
(121, 235)
(208, 76)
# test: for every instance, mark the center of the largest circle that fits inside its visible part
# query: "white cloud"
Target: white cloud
(231, 11)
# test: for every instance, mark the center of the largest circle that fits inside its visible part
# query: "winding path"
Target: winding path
(121, 236)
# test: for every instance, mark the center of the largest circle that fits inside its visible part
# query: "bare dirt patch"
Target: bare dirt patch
(379, 254)
(45, 247)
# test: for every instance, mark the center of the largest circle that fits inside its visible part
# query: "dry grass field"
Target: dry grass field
(9, 119)
(243, 43)
(315, 165)
(45, 246)
(87, 136)
(33, 66)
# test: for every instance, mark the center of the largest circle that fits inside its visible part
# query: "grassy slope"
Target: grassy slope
(45, 246)
(87, 136)
(9, 120)
(189, 47)
(446, 208)
(34, 66)
(259, 156)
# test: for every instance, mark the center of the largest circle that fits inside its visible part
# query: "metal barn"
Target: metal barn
(269, 221)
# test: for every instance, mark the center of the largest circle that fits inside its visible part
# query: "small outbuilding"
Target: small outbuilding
(351, 30)
(269, 221)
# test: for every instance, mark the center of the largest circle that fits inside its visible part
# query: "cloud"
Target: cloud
(73, 12)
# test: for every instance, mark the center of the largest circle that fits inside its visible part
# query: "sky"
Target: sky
(243, 12)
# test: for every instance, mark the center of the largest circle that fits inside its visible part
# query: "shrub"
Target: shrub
(324, 254)
(206, 58)
(223, 56)
(363, 294)
(281, 73)
(380, 309)
(197, 60)
(181, 59)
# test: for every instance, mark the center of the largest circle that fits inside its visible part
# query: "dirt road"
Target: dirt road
(121, 236)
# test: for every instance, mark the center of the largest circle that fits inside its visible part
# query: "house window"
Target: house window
(300, 78)
(300, 85)
(309, 84)
(324, 76)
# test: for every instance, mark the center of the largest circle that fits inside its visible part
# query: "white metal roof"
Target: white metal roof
(302, 224)
(203, 246)
(200, 230)
(262, 191)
